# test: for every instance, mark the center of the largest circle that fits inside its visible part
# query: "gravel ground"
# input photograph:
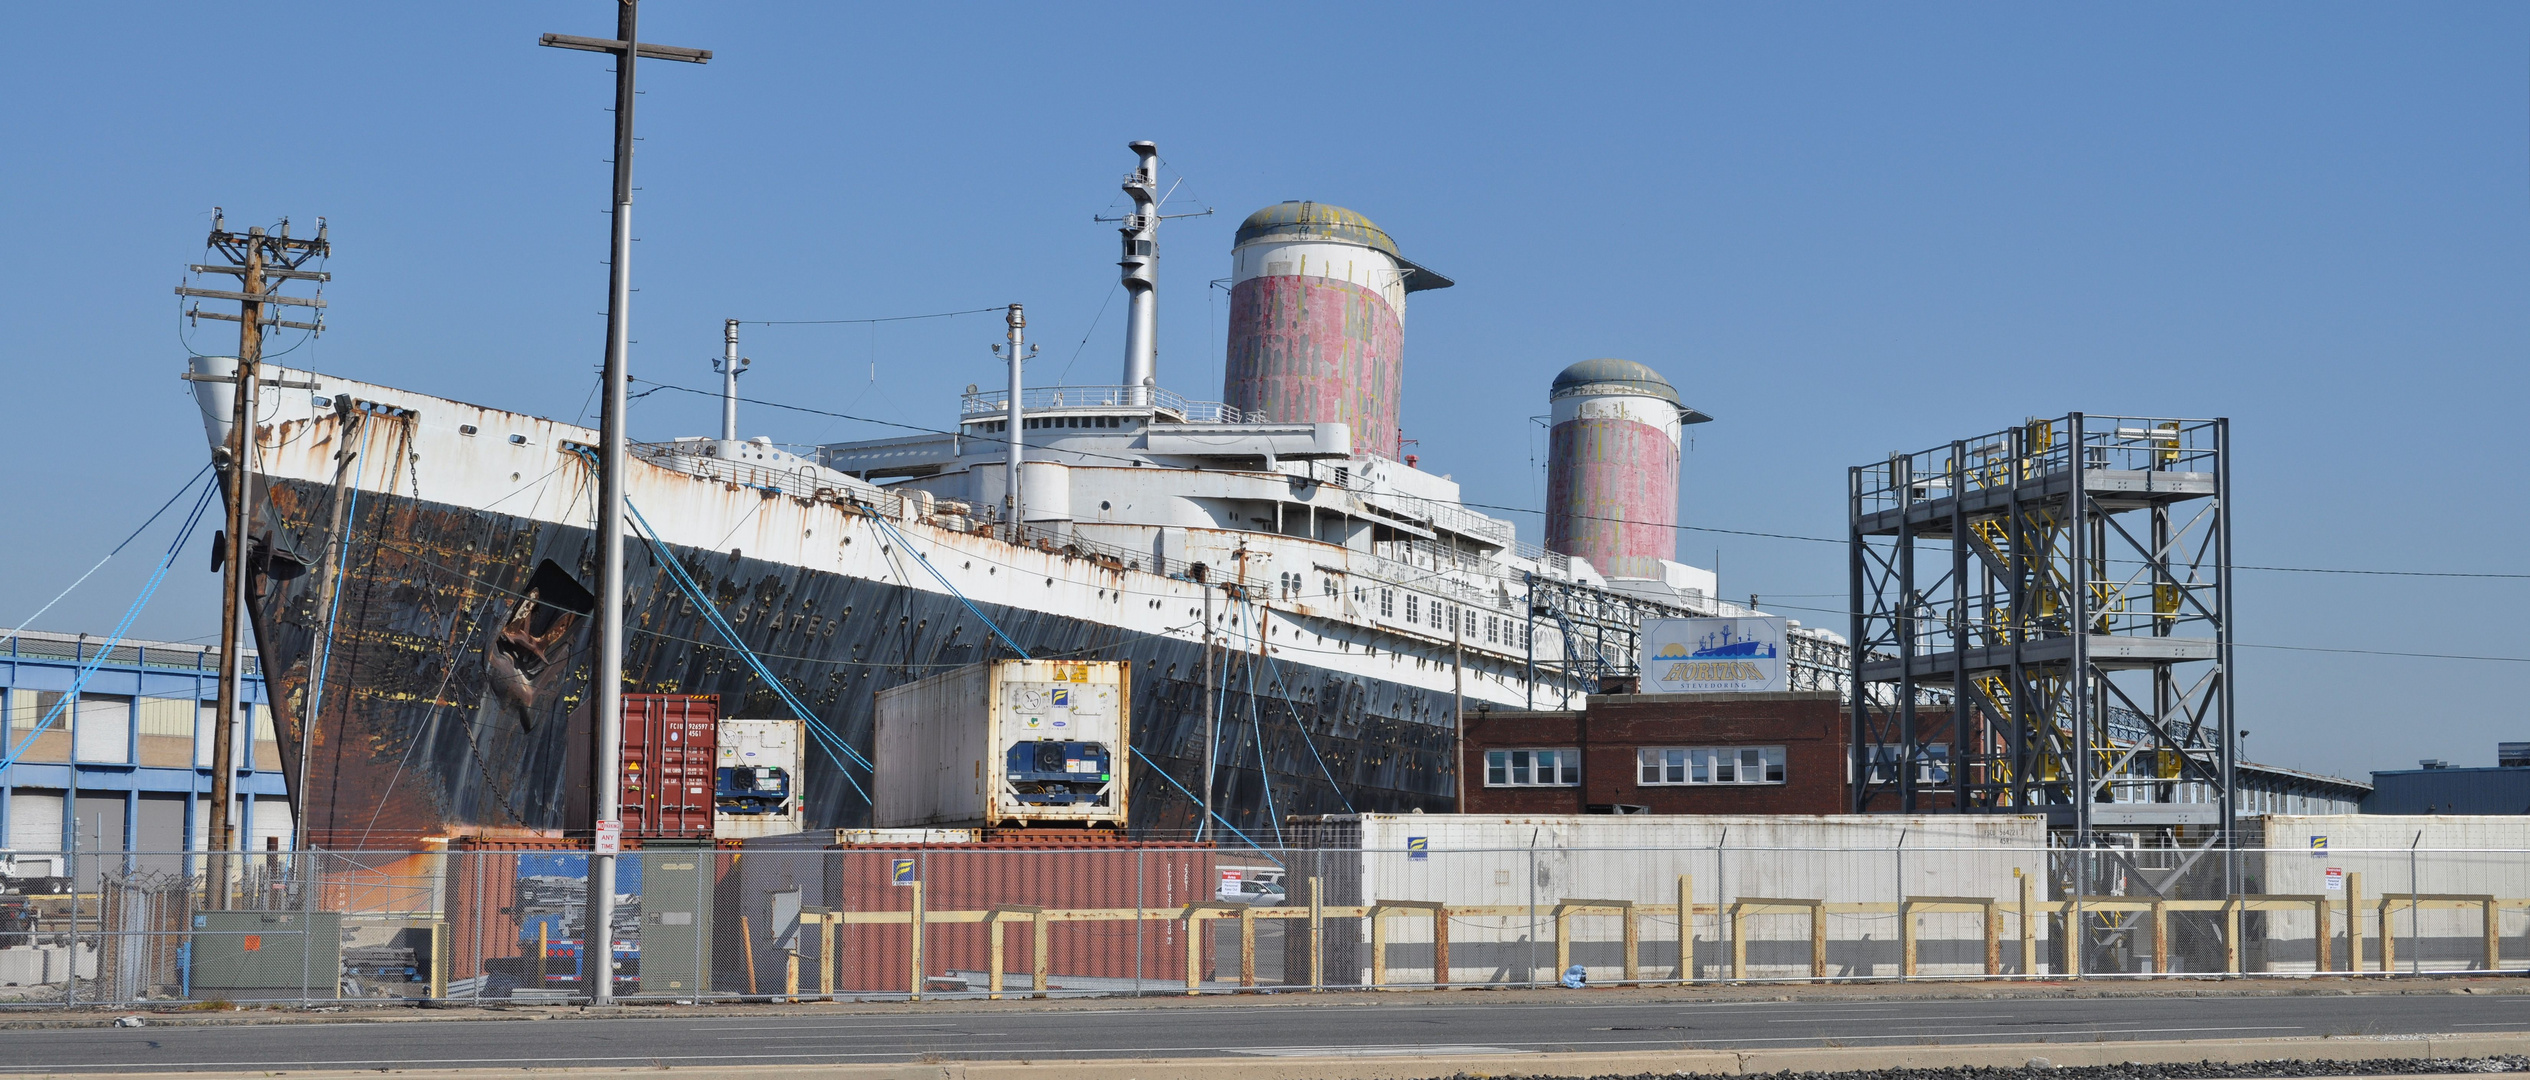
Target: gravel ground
(2039, 1069)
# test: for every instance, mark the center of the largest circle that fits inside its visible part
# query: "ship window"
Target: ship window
(465, 429)
(1412, 604)
(518, 440)
(1387, 603)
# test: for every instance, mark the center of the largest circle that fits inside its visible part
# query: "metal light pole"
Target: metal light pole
(1018, 354)
(597, 938)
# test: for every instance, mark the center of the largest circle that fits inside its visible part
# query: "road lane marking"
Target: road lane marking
(1373, 1051)
(1898, 1019)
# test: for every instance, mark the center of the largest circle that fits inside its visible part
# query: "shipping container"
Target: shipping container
(1536, 862)
(757, 778)
(1159, 879)
(669, 764)
(1008, 743)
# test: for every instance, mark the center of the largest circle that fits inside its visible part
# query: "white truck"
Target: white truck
(34, 874)
(1006, 744)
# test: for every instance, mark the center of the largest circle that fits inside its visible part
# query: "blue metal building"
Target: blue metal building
(126, 767)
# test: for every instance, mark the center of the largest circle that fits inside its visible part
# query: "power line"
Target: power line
(842, 322)
(1541, 513)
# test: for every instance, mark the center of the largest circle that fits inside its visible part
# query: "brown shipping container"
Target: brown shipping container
(1160, 878)
(671, 749)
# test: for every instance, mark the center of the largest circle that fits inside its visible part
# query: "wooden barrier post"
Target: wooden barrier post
(2354, 921)
(2389, 938)
(1040, 964)
(1440, 946)
(1317, 934)
(790, 976)
(2324, 938)
(1633, 945)
(1247, 945)
(2231, 935)
(1818, 941)
(1686, 927)
(827, 953)
(1906, 939)
(2492, 930)
(544, 945)
(746, 947)
(1379, 945)
(1993, 940)
(2028, 930)
(2161, 936)
(913, 954)
(1739, 943)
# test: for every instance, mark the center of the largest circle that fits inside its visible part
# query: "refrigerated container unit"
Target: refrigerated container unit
(1006, 744)
(668, 763)
(757, 779)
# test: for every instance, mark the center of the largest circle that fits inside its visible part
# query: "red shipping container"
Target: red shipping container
(1160, 878)
(671, 751)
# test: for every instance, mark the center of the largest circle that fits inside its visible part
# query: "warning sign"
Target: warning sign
(610, 837)
(2336, 879)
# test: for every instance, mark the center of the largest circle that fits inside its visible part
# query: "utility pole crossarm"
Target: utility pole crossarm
(250, 297)
(616, 45)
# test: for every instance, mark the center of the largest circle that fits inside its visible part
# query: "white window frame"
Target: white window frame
(1522, 767)
(1710, 766)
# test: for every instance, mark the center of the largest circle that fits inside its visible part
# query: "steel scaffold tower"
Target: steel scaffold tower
(2064, 584)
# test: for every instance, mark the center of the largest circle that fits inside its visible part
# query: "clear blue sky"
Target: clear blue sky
(1842, 229)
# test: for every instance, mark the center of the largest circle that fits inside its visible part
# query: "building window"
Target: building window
(1664, 765)
(1532, 768)
(1932, 768)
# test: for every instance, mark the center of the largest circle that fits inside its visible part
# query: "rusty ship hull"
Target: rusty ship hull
(442, 594)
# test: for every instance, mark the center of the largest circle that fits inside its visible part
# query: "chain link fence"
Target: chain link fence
(871, 922)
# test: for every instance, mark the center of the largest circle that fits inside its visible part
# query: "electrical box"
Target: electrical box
(756, 786)
(667, 765)
(676, 920)
(1008, 743)
(265, 955)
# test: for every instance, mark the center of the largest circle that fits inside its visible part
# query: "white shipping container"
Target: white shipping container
(758, 779)
(2435, 855)
(1478, 860)
(1007, 743)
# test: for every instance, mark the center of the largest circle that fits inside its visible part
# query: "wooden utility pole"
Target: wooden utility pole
(259, 260)
(597, 946)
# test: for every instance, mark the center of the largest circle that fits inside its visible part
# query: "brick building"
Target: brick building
(1733, 753)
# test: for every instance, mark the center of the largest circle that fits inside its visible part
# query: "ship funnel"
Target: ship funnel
(1612, 467)
(1317, 321)
(1142, 271)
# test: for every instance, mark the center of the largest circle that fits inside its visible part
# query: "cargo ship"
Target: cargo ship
(1270, 551)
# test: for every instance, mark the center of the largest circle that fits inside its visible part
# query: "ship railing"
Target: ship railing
(988, 403)
(797, 481)
(1112, 556)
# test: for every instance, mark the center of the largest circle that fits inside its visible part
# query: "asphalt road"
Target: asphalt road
(1350, 1025)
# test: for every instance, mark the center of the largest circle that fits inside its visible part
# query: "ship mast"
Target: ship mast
(597, 938)
(1141, 265)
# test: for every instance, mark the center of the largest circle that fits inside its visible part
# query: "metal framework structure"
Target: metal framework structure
(2065, 586)
(1600, 634)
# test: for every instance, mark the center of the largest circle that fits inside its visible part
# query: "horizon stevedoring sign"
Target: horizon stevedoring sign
(1693, 656)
